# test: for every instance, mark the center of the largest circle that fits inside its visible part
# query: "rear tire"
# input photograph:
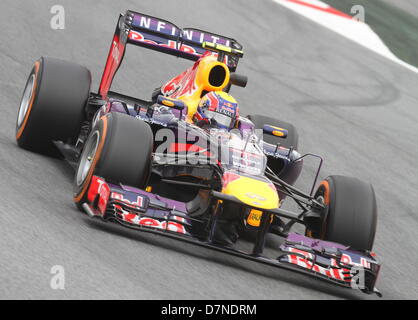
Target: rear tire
(52, 105)
(118, 149)
(352, 213)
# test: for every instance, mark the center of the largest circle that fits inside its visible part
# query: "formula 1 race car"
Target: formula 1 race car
(149, 165)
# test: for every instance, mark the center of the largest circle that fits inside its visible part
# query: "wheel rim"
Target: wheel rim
(87, 157)
(26, 99)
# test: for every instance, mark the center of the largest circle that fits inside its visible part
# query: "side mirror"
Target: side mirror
(171, 102)
(275, 131)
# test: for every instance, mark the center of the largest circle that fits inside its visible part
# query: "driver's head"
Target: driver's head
(218, 109)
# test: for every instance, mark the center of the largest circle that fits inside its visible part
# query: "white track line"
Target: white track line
(341, 23)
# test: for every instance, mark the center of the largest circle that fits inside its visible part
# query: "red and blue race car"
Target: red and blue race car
(186, 164)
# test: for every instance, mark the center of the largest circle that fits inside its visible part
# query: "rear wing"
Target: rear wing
(163, 36)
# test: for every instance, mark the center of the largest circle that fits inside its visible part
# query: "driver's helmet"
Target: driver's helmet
(217, 109)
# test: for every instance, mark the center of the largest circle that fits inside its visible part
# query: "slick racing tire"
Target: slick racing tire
(118, 149)
(52, 105)
(352, 212)
(292, 139)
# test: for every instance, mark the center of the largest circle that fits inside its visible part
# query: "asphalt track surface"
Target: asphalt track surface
(355, 108)
(409, 6)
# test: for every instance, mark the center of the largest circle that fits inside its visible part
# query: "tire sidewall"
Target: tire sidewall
(24, 128)
(80, 190)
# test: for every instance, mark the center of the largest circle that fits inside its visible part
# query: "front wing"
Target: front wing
(145, 211)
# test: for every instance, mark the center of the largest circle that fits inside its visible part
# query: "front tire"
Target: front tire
(352, 212)
(118, 149)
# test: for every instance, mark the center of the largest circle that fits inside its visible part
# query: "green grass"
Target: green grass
(397, 28)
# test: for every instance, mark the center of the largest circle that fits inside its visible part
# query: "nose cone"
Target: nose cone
(259, 193)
